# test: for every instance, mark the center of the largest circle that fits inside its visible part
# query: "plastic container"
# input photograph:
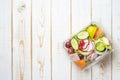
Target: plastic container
(88, 47)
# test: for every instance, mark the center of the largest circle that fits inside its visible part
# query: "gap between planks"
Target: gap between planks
(31, 40)
(91, 23)
(51, 39)
(70, 35)
(11, 39)
(111, 37)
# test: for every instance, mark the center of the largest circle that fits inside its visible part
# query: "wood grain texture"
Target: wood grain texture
(32, 33)
(101, 14)
(81, 17)
(21, 40)
(5, 40)
(60, 32)
(116, 39)
(41, 39)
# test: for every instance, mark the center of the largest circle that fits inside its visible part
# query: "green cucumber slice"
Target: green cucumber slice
(74, 43)
(83, 35)
(83, 53)
(100, 46)
(75, 37)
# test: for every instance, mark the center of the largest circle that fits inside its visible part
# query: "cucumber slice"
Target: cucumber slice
(75, 37)
(74, 43)
(100, 46)
(83, 53)
(83, 35)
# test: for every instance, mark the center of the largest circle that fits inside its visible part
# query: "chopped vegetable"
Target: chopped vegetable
(83, 35)
(100, 47)
(98, 33)
(74, 43)
(92, 30)
(105, 41)
(81, 63)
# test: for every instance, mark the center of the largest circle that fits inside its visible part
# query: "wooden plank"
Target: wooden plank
(21, 40)
(60, 32)
(5, 40)
(116, 39)
(81, 17)
(101, 14)
(41, 39)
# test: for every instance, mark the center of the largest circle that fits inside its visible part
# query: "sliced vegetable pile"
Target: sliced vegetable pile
(87, 45)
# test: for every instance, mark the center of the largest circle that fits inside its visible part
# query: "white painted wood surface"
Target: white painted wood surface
(21, 40)
(5, 40)
(60, 30)
(32, 33)
(101, 14)
(116, 38)
(41, 67)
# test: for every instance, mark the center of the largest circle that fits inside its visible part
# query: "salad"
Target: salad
(87, 45)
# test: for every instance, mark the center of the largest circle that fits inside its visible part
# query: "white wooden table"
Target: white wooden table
(32, 34)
